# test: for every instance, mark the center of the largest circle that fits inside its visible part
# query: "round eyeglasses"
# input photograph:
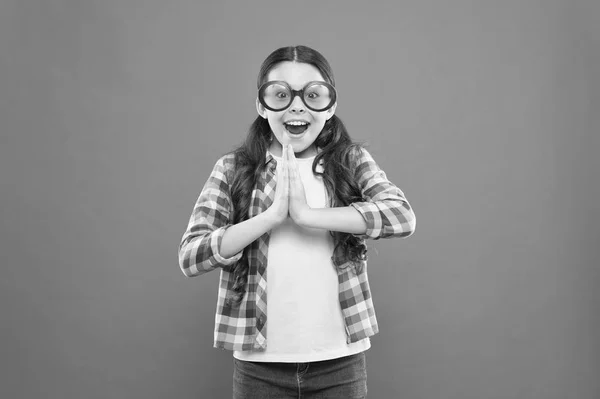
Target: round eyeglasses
(278, 95)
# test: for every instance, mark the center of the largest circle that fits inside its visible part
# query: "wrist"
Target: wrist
(304, 217)
(272, 218)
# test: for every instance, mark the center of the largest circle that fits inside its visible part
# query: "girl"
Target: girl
(285, 217)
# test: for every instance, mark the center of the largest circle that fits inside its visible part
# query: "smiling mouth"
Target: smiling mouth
(296, 127)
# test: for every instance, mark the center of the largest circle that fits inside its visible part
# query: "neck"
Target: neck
(276, 149)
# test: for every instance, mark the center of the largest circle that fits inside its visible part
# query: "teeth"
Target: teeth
(297, 123)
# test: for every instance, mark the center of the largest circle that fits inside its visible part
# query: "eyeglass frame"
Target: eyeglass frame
(299, 93)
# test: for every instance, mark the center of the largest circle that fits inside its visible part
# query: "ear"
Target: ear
(262, 111)
(331, 111)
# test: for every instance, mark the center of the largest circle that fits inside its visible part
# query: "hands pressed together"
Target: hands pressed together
(290, 198)
(290, 201)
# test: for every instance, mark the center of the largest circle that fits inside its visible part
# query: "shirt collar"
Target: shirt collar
(269, 157)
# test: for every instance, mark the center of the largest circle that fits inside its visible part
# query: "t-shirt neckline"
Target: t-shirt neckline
(279, 158)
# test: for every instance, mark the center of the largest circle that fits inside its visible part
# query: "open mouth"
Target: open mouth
(296, 127)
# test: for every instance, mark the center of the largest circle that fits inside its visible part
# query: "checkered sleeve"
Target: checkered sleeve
(385, 208)
(199, 247)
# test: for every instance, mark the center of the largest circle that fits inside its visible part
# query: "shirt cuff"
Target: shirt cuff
(215, 245)
(369, 212)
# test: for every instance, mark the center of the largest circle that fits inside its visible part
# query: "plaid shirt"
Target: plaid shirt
(385, 209)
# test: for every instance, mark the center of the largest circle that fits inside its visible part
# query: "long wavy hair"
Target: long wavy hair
(337, 153)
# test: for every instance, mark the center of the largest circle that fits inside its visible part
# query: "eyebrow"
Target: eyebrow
(300, 86)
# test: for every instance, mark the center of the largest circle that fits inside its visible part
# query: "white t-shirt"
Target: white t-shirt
(304, 317)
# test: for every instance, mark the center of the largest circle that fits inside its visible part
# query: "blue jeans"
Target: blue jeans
(345, 377)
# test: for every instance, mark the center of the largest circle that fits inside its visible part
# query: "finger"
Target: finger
(285, 155)
(287, 171)
(280, 171)
(284, 152)
(293, 162)
(281, 178)
(282, 182)
(290, 164)
(293, 158)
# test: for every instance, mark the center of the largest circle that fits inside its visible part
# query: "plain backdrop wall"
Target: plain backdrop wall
(113, 112)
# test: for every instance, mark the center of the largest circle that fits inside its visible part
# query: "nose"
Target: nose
(297, 106)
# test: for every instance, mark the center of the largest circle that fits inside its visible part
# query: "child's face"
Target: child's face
(297, 75)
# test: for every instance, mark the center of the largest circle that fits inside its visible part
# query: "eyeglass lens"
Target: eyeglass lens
(316, 96)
